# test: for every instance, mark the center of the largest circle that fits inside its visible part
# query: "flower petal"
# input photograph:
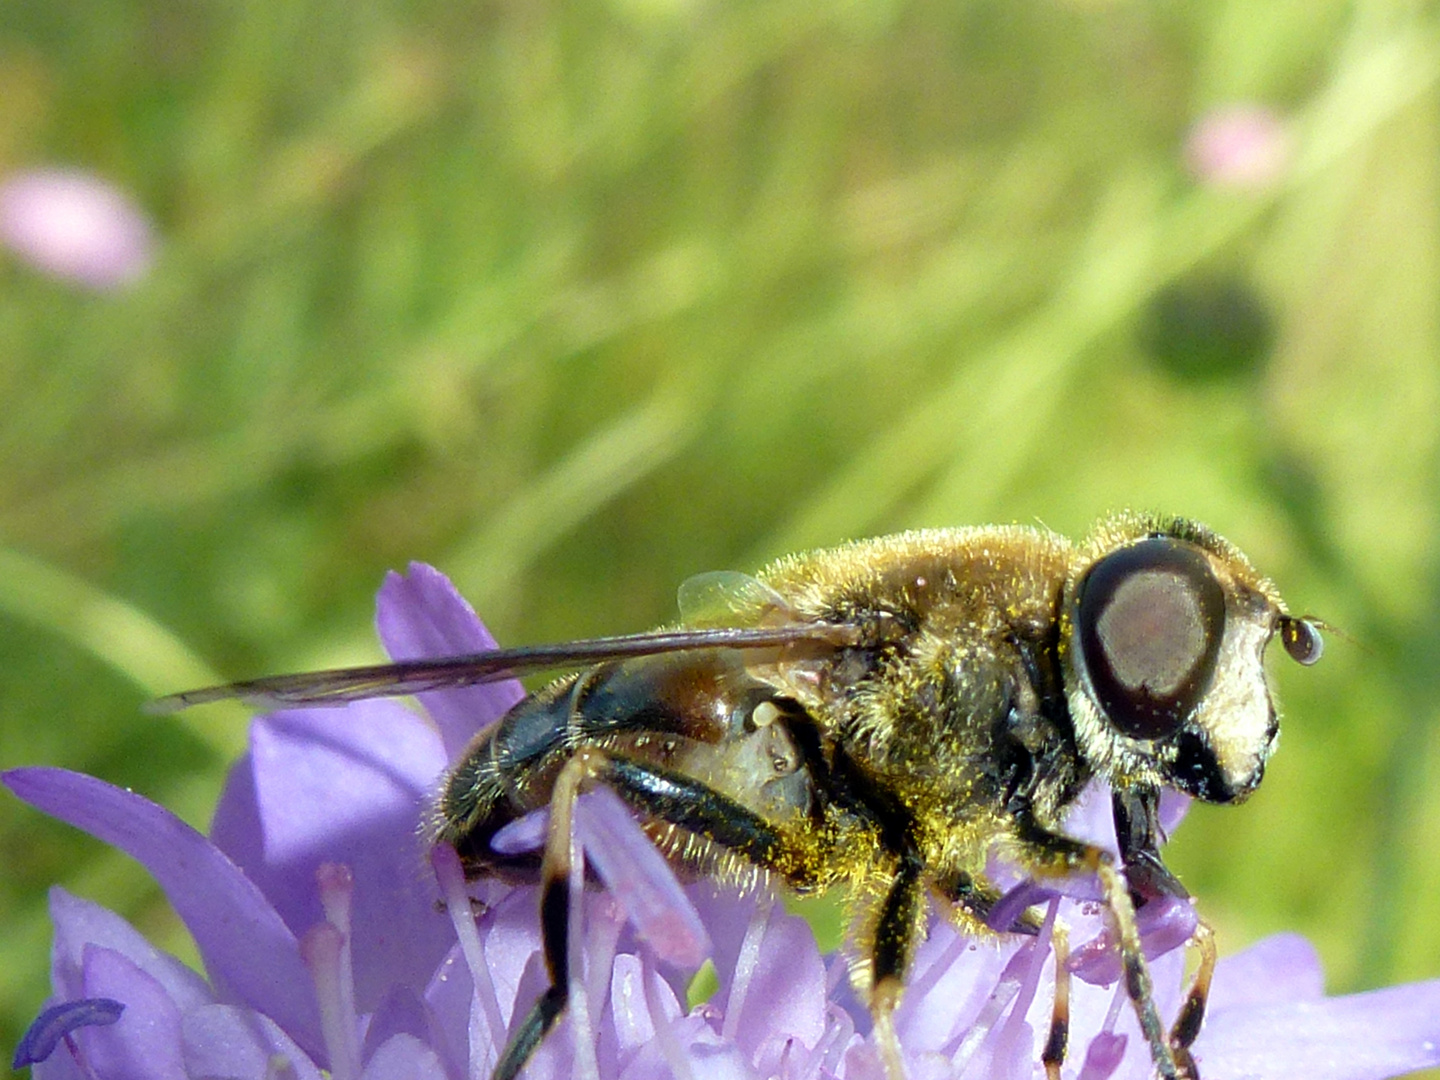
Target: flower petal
(80, 923)
(55, 1022)
(75, 226)
(233, 1041)
(633, 1024)
(951, 979)
(404, 1057)
(639, 879)
(1366, 1036)
(1282, 968)
(510, 935)
(772, 980)
(1164, 924)
(245, 944)
(421, 615)
(144, 1043)
(346, 786)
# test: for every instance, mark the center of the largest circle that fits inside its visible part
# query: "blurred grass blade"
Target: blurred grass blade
(488, 568)
(121, 635)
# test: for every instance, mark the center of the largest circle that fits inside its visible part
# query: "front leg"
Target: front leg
(1137, 829)
(1048, 854)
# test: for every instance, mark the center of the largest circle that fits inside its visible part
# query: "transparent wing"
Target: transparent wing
(728, 597)
(337, 686)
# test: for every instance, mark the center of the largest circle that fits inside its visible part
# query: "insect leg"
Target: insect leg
(1061, 855)
(1058, 1040)
(1138, 984)
(896, 932)
(658, 793)
(554, 921)
(975, 898)
(1192, 1012)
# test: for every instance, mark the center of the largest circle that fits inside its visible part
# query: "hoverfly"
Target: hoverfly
(880, 716)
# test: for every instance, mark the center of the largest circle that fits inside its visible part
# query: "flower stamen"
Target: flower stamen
(450, 876)
(58, 1023)
(746, 962)
(325, 948)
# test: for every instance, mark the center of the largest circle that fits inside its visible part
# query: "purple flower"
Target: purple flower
(332, 945)
(76, 227)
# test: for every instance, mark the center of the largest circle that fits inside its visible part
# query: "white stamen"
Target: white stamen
(1006, 988)
(451, 879)
(321, 947)
(670, 1047)
(745, 964)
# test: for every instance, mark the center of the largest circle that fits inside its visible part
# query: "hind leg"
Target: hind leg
(896, 933)
(658, 793)
(1192, 1012)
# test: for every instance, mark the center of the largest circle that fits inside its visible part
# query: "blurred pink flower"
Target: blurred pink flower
(75, 227)
(1239, 146)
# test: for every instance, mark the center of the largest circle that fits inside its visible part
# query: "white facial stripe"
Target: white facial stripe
(1236, 714)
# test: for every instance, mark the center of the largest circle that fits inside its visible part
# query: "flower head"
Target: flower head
(1242, 146)
(332, 947)
(76, 227)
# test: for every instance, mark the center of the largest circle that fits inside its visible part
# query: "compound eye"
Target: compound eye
(1150, 620)
(1301, 639)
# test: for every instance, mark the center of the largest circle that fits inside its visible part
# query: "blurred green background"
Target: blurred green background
(576, 300)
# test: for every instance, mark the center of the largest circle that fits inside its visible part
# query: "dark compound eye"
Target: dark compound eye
(1301, 639)
(1150, 621)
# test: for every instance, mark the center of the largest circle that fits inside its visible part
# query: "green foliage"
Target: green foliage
(576, 300)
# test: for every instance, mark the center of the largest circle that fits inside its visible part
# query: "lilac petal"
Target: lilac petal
(1091, 817)
(404, 1057)
(511, 937)
(1103, 1056)
(773, 986)
(233, 1041)
(351, 786)
(1366, 1036)
(698, 1050)
(57, 1021)
(421, 615)
(404, 1012)
(245, 944)
(834, 1044)
(523, 834)
(81, 923)
(1015, 903)
(950, 982)
(484, 1007)
(462, 1035)
(693, 1046)
(1281, 969)
(633, 1024)
(1174, 805)
(1164, 924)
(75, 226)
(144, 1043)
(512, 941)
(639, 879)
